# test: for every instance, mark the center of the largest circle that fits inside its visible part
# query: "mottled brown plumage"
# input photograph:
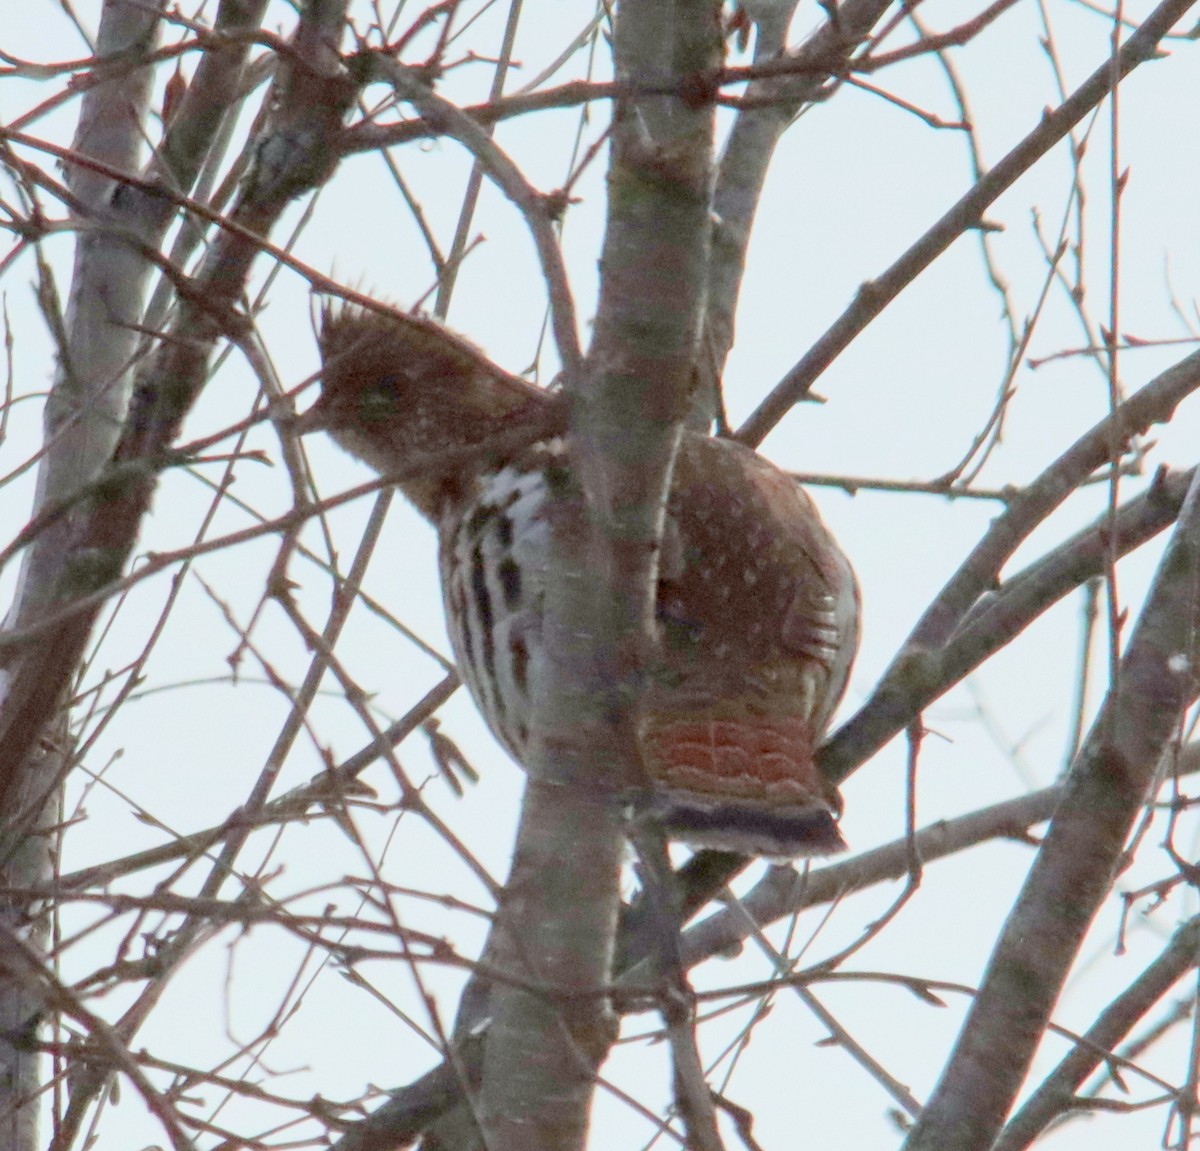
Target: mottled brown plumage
(757, 605)
(395, 388)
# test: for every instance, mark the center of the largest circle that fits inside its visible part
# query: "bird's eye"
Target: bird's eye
(377, 403)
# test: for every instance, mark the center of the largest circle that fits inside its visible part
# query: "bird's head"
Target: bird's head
(416, 402)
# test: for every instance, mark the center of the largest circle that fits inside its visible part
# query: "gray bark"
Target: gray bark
(103, 450)
(82, 420)
(1079, 860)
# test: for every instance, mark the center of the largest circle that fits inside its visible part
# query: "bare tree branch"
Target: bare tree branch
(88, 549)
(874, 296)
(925, 668)
(624, 428)
(772, 104)
(82, 420)
(1057, 1094)
(1079, 859)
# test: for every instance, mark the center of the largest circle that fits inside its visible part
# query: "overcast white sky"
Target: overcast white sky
(854, 183)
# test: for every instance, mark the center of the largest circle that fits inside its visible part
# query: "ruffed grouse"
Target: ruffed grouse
(758, 607)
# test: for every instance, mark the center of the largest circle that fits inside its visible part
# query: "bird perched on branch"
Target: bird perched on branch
(757, 605)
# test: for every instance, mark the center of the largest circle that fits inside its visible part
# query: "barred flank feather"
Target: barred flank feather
(757, 604)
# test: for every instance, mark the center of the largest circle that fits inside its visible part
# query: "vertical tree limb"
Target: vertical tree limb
(1057, 1094)
(1079, 859)
(625, 420)
(90, 449)
(771, 106)
(82, 420)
